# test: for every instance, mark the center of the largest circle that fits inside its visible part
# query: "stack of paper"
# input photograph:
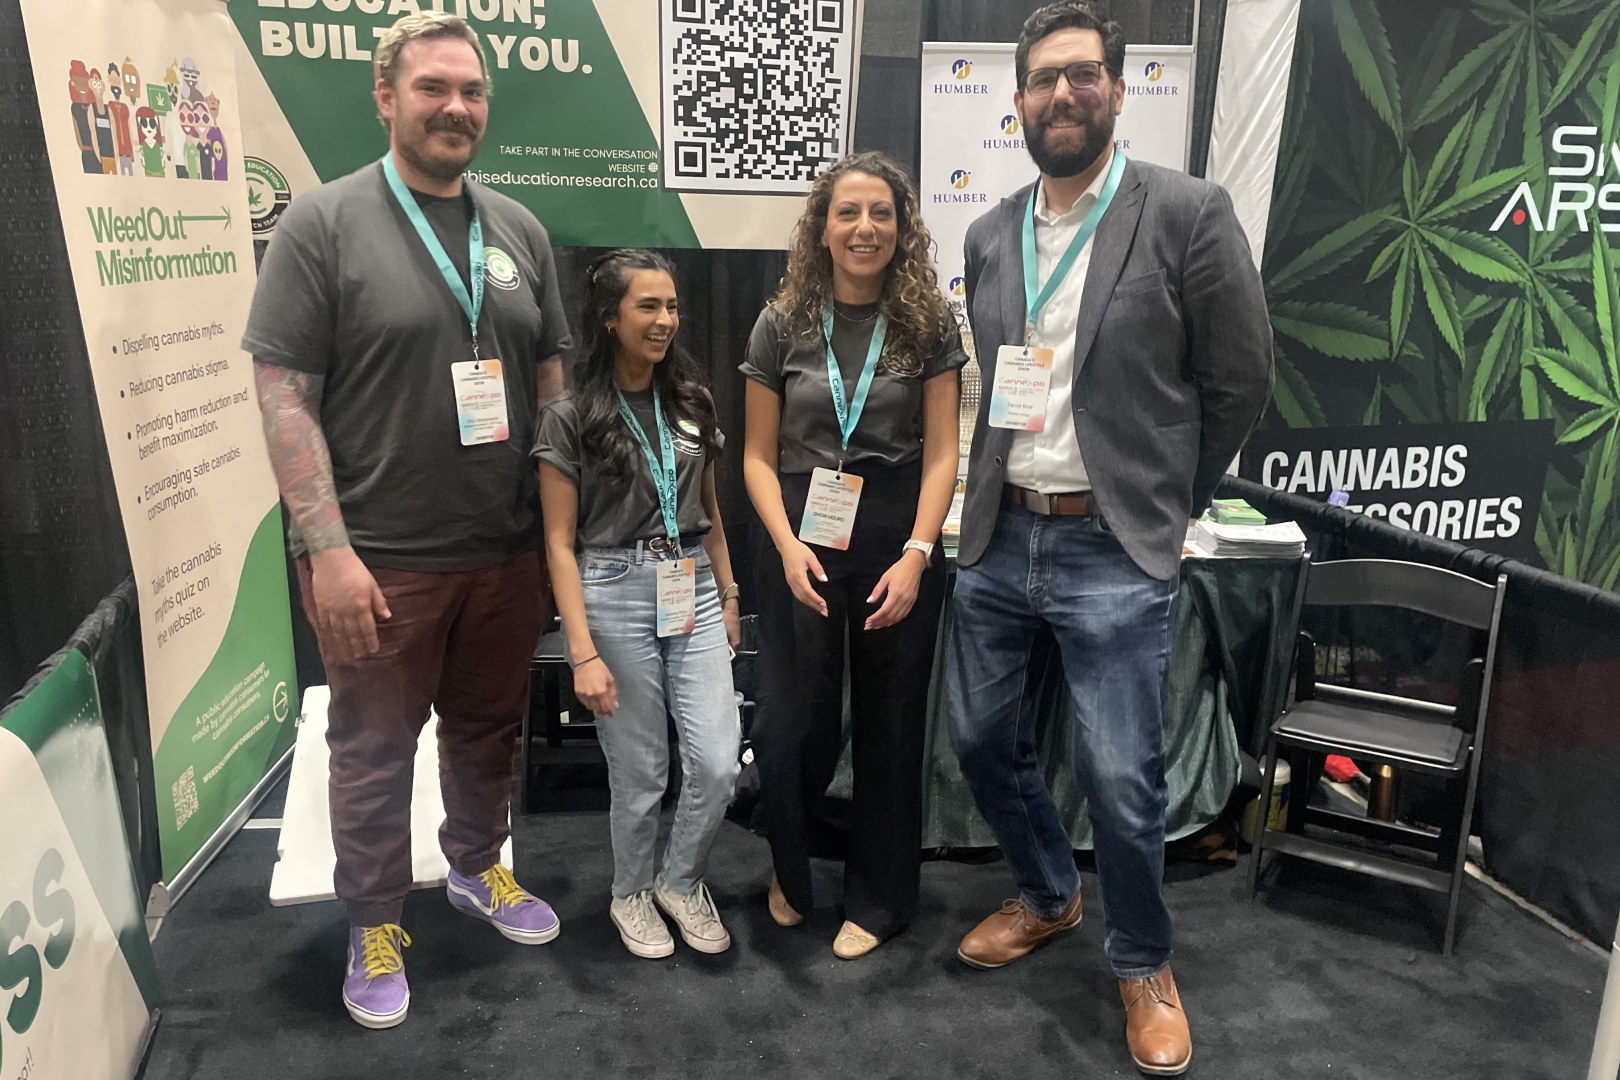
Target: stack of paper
(1235, 512)
(1284, 541)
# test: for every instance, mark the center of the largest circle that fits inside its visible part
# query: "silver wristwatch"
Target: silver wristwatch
(923, 546)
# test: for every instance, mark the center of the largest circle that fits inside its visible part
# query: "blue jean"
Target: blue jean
(1112, 624)
(687, 676)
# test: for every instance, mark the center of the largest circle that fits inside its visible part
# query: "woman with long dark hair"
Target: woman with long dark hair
(850, 461)
(643, 581)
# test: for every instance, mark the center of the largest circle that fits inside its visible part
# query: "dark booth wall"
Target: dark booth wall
(61, 538)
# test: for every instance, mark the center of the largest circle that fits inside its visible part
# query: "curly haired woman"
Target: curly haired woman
(853, 387)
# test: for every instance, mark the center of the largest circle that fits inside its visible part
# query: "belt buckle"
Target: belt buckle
(1042, 503)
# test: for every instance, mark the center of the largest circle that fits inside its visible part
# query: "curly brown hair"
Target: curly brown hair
(919, 320)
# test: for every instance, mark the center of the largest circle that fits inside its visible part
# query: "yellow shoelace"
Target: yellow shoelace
(380, 947)
(504, 891)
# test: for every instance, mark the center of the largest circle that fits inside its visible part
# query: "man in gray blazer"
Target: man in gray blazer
(1119, 383)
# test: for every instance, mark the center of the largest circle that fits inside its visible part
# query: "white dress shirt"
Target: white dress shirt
(1049, 461)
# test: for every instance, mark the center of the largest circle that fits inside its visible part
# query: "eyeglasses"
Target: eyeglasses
(1082, 75)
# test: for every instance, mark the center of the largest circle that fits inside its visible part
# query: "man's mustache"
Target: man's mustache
(461, 124)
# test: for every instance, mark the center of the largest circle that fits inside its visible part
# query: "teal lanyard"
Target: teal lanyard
(1035, 300)
(470, 305)
(663, 473)
(849, 410)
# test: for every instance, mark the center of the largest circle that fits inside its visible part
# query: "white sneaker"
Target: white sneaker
(644, 933)
(695, 915)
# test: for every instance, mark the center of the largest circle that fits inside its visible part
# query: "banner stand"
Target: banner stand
(165, 896)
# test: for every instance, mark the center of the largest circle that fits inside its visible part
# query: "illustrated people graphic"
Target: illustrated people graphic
(102, 120)
(83, 101)
(152, 156)
(120, 121)
(214, 138)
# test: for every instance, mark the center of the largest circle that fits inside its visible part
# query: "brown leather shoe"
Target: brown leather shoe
(1012, 932)
(1155, 1027)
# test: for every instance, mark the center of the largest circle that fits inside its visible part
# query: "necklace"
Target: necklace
(838, 309)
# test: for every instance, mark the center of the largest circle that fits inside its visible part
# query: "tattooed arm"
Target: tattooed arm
(347, 601)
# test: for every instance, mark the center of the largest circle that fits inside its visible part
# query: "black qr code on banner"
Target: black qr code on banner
(756, 93)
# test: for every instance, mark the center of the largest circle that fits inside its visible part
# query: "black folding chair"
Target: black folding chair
(1376, 728)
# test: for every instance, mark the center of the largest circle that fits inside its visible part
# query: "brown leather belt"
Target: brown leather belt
(1067, 504)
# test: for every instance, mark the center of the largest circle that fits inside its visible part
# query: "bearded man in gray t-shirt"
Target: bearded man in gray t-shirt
(406, 328)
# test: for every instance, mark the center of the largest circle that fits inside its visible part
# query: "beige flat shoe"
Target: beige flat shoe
(852, 942)
(782, 912)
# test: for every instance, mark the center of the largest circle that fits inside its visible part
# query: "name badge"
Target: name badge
(1018, 396)
(480, 401)
(829, 509)
(677, 597)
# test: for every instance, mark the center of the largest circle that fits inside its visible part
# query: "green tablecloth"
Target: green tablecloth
(1232, 627)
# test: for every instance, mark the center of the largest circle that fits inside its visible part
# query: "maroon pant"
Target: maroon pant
(459, 642)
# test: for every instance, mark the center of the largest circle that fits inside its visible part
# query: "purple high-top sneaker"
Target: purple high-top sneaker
(375, 990)
(495, 897)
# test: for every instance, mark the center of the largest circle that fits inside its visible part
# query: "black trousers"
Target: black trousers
(798, 725)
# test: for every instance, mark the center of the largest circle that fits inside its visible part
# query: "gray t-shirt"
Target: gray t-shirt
(348, 291)
(794, 365)
(619, 515)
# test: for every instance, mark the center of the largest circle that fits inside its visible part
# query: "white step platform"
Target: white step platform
(303, 872)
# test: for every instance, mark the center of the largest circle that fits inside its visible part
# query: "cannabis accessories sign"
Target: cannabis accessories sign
(671, 123)
(1440, 253)
(78, 973)
(145, 153)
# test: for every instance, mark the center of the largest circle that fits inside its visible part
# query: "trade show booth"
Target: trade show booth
(1429, 191)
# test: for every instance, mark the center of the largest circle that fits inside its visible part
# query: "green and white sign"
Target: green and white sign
(669, 123)
(140, 111)
(77, 973)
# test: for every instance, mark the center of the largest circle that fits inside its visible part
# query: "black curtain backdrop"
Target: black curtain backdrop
(1551, 775)
(61, 538)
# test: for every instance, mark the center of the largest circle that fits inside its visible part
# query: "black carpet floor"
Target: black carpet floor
(1329, 975)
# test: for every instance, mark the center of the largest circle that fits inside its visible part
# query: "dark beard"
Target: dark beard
(1099, 132)
(440, 169)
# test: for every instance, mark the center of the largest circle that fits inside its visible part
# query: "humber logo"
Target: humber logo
(960, 178)
(961, 69)
(1153, 71)
(1009, 124)
(958, 287)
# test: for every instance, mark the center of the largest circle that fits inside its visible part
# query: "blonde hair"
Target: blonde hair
(427, 24)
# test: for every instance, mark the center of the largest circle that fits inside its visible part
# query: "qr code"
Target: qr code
(185, 797)
(758, 95)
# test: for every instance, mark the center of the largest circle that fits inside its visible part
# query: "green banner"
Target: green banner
(668, 123)
(73, 946)
(1439, 247)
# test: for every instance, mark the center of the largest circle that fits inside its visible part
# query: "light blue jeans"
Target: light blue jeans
(688, 677)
